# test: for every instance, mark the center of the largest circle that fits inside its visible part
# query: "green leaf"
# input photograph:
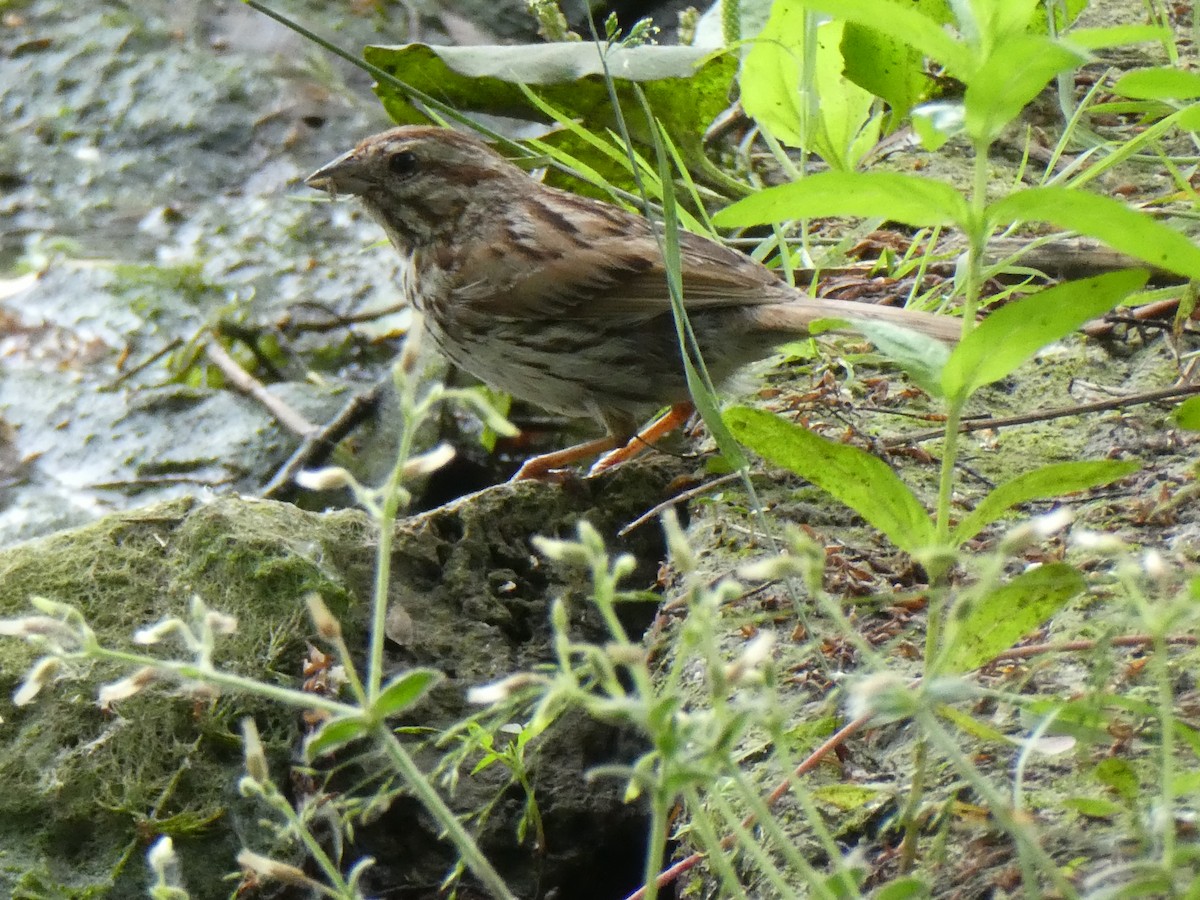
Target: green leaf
(1001, 21)
(771, 73)
(1015, 332)
(907, 887)
(1116, 36)
(1093, 808)
(1086, 720)
(919, 355)
(973, 726)
(847, 126)
(333, 735)
(998, 619)
(935, 123)
(1013, 74)
(852, 476)
(1118, 776)
(907, 199)
(846, 796)
(404, 690)
(887, 67)
(847, 883)
(1188, 118)
(922, 32)
(1159, 84)
(1041, 484)
(1187, 414)
(1101, 217)
(688, 87)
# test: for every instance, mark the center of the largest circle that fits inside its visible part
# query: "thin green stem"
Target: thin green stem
(718, 860)
(770, 825)
(973, 277)
(1158, 626)
(908, 844)
(755, 851)
(656, 846)
(416, 781)
(315, 851)
(997, 805)
(192, 672)
(383, 571)
(393, 495)
(352, 679)
(1166, 787)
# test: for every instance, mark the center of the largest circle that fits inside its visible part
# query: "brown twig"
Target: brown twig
(1133, 640)
(170, 346)
(290, 321)
(1139, 315)
(1175, 393)
(318, 444)
(681, 497)
(243, 381)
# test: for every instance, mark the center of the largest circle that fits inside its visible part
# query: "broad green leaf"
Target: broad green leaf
(1100, 217)
(688, 87)
(1189, 118)
(1014, 333)
(1041, 484)
(771, 73)
(1159, 84)
(847, 796)
(887, 67)
(919, 202)
(852, 476)
(1085, 720)
(1000, 21)
(1187, 414)
(1094, 807)
(906, 24)
(998, 619)
(404, 690)
(333, 735)
(1010, 78)
(907, 887)
(772, 89)
(847, 126)
(1186, 783)
(973, 726)
(847, 883)
(1117, 36)
(1119, 776)
(920, 356)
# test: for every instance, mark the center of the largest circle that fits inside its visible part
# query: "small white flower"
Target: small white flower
(332, 478)
(126, 687)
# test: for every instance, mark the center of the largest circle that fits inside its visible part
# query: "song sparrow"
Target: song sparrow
(562, 300)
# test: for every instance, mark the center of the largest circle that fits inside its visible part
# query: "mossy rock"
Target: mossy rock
(89, 790)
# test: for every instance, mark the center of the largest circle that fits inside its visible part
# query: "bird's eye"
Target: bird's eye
(403, 163)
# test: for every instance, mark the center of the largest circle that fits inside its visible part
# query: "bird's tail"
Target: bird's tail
(796, 317)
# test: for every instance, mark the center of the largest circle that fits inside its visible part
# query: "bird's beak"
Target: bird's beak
(345, 175)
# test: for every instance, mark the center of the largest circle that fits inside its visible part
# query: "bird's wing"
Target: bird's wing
(610, 267)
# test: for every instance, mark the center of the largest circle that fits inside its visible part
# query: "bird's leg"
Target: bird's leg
(663, 425)
(539, 467)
